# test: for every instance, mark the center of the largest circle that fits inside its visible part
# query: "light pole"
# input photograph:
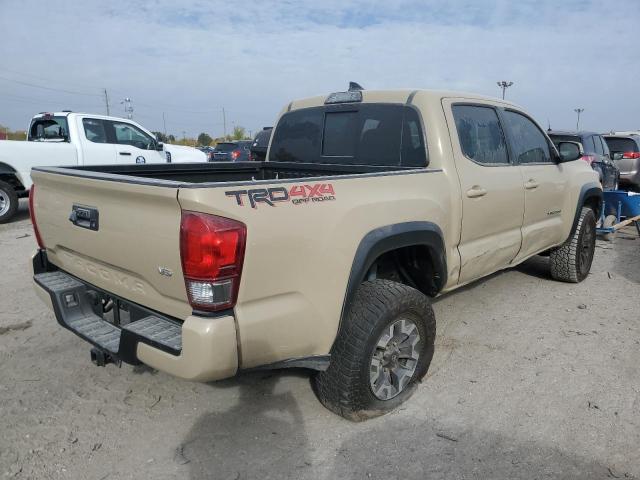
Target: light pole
(128, 107)
(503, 84)
(578, 111)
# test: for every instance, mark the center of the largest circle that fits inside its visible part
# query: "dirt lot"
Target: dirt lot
(531, 379)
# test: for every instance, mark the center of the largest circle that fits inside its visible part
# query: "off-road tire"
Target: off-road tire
(9, 195)
(344, 388)
(568, 262)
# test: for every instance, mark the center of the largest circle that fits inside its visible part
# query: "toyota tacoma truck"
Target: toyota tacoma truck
(67, 138)
(326, 255)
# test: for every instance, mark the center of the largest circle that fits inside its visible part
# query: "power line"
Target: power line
(49, 88)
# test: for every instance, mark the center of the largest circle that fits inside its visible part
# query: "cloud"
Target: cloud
(253, 57)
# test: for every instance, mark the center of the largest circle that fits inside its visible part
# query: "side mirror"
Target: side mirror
(159, 146)
(569, 151)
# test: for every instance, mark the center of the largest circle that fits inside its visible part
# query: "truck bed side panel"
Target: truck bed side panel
(299, 255)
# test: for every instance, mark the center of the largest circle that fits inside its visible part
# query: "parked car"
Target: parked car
(261, 144)
(596, 154)
(625, 151)
(325, 256)
(232, 151)
(67, 138)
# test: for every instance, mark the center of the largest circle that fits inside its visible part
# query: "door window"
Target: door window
(127, 134)
(94, 130)
(480, 134)
(597, 144)
(529, 143)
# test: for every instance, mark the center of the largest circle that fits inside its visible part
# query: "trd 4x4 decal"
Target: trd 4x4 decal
(298, 194)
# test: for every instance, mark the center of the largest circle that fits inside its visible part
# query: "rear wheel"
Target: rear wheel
(383, 349)
(572, 261)
(8, 202)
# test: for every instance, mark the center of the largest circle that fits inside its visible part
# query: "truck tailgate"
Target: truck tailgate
(133, 252)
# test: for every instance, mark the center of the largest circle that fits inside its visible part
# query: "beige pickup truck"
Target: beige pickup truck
(326, 255)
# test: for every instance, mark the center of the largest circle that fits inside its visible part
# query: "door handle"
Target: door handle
(531, 184)
(476, 192)
(125, 153)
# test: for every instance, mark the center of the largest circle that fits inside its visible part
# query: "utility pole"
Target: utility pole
(504, 85)
(184, 137)
(106, 101)
(224, 121)
(578, 111)
(164, 124)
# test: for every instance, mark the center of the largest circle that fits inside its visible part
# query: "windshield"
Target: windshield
(49, 128)
(226, 147)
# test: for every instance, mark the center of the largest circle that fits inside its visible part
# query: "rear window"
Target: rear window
(49, 128)
(621, 145)
(365, 134)
(226, 147)
(262, 139)
(556, 139)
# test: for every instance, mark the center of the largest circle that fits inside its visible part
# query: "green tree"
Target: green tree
(239, 133)
(204, 139)
(160, 136)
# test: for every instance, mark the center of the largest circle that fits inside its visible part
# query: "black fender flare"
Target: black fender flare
(391, 237)
(589, 192)
(6, 169)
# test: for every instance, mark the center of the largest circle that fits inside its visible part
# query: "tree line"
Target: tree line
(204, 139)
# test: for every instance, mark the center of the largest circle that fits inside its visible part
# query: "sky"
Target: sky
(190, 59)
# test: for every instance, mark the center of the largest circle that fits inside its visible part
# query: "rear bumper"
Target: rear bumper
(200, 348)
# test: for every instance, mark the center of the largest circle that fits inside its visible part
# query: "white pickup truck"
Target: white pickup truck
(76, 139)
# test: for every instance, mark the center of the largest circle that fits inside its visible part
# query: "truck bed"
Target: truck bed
(216, 173)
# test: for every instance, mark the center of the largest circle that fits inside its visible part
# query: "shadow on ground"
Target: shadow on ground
(264, 436)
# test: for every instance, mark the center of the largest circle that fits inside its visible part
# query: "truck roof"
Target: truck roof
(396, 96)
(67, 113)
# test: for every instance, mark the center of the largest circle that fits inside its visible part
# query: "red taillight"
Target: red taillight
(212, 251)
(32, 214)
(235, 154)
(631, 155)
(589, 158)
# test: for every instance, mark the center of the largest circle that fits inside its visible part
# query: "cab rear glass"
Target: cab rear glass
(363, 134)
(49, 128)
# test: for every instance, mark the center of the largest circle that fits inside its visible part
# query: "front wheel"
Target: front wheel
(383, 349)
(8, 202)
(571, 262)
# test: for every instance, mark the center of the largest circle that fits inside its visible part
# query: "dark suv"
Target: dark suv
(261, 144)
(231, 151)
(596, 154)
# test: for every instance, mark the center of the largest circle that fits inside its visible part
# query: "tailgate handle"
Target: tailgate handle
(84, 217)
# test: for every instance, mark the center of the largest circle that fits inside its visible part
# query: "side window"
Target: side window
(598, 145)
(529, 143)
(127, 134)
(94, 130)
(480, 134)
(605, 148)
(590, 145)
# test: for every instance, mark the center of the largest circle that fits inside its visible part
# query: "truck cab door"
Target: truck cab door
(544, 182)
(133, 145)
(491, 188)
(95, 146)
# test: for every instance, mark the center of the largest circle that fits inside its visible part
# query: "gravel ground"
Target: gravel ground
(531, 379)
